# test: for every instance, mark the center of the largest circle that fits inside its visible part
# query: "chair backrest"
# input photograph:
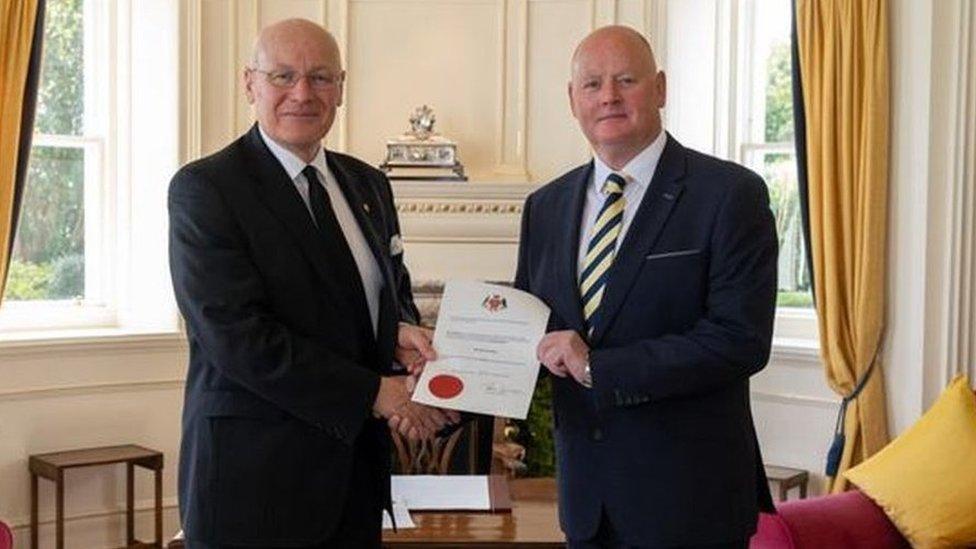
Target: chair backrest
(465, 451)
(6, 536)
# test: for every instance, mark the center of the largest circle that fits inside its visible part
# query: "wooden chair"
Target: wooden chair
(467, 450)
(481, 446)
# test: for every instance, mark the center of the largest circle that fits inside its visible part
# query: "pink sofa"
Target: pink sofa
(849, 520)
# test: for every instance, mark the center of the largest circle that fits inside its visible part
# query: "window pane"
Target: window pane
(779, 94)
(770, 88)
(49, 260)
(60, 105)
(769, 147)
(779, 171)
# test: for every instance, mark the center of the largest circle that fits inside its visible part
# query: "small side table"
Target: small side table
(786, 478)
(52, 466)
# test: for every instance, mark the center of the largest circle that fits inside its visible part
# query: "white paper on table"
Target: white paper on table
(442, 492)
(403, 519)
(486, 341)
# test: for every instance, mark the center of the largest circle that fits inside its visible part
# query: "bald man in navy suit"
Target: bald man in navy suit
(659, 265)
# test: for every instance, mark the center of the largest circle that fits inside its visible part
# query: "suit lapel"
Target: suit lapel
(570, 211)
(366, 209)
(661, 196)
(282, 198)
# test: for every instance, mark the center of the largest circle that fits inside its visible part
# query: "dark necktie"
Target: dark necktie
(331, 233)
(318, 199)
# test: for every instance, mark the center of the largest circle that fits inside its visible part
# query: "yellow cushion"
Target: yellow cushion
(925, 480)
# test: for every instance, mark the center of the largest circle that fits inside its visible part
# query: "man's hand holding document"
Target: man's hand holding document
(486, 341)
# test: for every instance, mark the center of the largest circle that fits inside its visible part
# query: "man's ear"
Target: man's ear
(342, 88)
(662, 89)
(569, 92)
(247, 79)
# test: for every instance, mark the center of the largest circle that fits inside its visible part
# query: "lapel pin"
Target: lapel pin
(366, 207)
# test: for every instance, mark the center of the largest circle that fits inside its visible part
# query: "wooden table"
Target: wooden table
(785, 478)
(53, 465)
(532, 524)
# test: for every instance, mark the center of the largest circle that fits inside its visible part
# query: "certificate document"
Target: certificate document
(486, 339)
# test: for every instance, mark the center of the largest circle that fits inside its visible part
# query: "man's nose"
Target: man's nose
(302, 89)
(609, 93)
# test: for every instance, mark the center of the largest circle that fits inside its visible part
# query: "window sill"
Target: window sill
(90, 340)
(796, 351)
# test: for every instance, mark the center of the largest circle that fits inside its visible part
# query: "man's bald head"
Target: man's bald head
(616, 93)
(291, 32)
(627, 37)
(295, 84)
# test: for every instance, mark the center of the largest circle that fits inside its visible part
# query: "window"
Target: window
(90, 251)
(766, 138)
(58, 264)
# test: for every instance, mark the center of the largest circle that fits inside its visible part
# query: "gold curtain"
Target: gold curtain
(17, 25)
(843, 52)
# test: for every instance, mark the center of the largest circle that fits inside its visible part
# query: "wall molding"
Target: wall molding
(487, 208)
(474, 191)
(656, 25)
(480, 213)
(146, 506)
(337, 23)
(232, 100)
(191, 96)
(512, 116)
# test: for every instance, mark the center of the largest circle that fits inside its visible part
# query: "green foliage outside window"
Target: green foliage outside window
(48, 253)
(27, 280)
(779, 95)
(61, 91)
(779, 171)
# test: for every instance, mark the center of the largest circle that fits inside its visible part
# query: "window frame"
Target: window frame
(794, 326)
(120, 130)
(97, 307)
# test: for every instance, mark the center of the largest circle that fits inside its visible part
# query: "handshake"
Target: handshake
(412, 420)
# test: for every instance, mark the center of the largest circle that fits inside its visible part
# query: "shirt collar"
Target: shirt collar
(638, 171)
(292, 164)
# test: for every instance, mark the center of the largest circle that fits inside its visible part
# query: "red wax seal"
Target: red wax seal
(445, 386)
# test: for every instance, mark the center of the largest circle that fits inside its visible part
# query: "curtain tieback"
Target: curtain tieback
(837, 446)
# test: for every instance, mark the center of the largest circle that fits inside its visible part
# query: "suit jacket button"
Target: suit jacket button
(597, 435)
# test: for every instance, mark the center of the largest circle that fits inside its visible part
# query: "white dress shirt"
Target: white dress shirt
(369, 271)
(638, 173)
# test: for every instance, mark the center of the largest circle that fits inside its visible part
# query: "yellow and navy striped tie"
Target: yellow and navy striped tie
(602, 247)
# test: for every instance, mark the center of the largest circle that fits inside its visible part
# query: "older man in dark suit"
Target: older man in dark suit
(659, 264)
(288, 268)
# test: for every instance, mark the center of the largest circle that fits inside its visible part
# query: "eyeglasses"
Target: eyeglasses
(288, 79)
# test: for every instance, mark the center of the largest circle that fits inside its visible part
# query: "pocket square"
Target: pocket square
(677, 253)
(396, 245)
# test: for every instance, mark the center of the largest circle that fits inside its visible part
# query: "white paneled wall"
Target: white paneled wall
(70, 394)
(452, 55)
(495, 72)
